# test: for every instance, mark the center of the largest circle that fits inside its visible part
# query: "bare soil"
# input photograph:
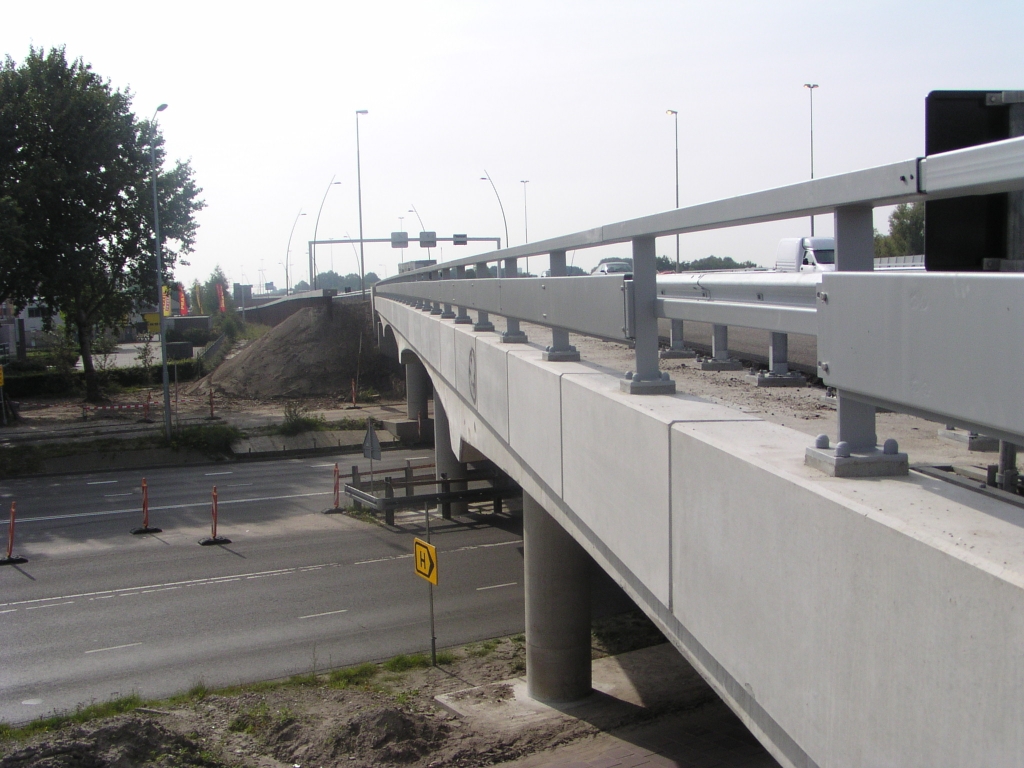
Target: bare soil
(314, 353)
(361, 717)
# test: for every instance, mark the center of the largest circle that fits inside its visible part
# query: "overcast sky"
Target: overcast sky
(570, 95)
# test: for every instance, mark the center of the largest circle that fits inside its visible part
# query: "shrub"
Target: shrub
(297, 420)
(211, 439)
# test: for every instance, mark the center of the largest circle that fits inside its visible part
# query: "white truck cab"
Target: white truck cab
(806, 254)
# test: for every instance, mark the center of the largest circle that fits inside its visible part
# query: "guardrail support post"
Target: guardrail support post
(720, 359)
(463, 317)
(483, 322)
(389, 493)
(356, 505)
(855, 453)
(437, 304)
(513, 333)
(447, 314)
(560, 351)
(778, 374)
(677, 350)
(647, 379)
(447, 465)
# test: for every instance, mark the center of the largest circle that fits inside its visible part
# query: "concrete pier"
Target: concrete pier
(557, 609)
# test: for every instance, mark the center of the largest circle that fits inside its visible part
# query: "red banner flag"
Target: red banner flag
(182, 304)
(220, 297)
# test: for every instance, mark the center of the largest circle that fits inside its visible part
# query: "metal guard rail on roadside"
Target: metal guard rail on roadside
(938, 345)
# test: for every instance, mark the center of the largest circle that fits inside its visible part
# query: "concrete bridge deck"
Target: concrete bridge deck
(847, 622)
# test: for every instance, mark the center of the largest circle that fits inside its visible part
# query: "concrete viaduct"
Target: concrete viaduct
(849, 621)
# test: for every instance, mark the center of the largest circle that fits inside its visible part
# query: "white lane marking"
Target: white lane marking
(51, 605)
(113, 648)
(101, 482)
(204, 502)
(384, 559)
(497, 586)
(107, 593)
(237, 485)
(319, 466)
(447, 551)
(9, 610)
(212, 474)
(325, 613)
(111, 495)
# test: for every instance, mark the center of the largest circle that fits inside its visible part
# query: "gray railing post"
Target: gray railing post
(647, 379)
(720, 359)
(437, 304)
(677, 348)
(855, 453)
(778, 373)
(561, 350)
(463, 317)
(513, 334)
(855, 252)
(483, 322)
(446, 274)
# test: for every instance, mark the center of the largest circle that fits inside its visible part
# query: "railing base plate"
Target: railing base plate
(860, 464)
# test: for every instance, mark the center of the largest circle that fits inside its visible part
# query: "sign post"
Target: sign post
(371, 447)
(424, 558)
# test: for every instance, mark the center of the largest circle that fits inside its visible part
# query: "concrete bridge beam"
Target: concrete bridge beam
(557, 577)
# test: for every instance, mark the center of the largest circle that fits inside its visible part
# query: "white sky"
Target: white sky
(568, 94)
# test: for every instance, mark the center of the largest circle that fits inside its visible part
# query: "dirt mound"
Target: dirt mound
(390, 735)
(125, 742)
(314, 353)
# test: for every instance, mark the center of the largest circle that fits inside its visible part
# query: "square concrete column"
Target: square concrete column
(557, 586)
(463, 317)
(513, 333)
(445, 461)
(483, 322)
(561, 350)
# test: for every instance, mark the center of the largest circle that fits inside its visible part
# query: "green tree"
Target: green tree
(75, 202)
(906, 232)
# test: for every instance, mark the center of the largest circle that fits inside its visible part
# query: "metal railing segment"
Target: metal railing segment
(617, 308)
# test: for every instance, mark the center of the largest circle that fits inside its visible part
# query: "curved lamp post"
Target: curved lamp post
(675, 114)
(810, 91)
(487, 177)
(159, 273)
(359, 186)
(288, 254)
(316, 228)
(420, 220)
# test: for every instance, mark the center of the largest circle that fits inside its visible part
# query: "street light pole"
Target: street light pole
(487, 177)
(675, 115)
(316, 228)
(810, 92)
(288, 254)
(159, 274)
(359, 186)
(420, 219)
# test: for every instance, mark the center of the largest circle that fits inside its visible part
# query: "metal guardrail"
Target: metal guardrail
(939, 345)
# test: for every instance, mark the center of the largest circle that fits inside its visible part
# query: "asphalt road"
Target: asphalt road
(97, 612)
